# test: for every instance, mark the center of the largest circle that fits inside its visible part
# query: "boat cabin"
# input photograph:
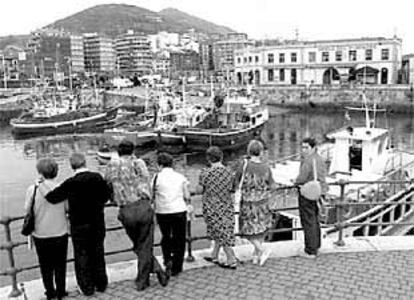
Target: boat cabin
(359, 149)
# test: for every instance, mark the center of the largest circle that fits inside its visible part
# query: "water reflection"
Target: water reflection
(282, 136)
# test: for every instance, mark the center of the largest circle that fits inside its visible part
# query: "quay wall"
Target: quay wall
(397, 98)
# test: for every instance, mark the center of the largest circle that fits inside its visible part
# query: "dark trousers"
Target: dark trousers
(89, 254)
(308, 212)
(52, 254)
(173, 230)
(137, 219)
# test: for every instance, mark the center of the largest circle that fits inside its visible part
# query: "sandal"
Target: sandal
(211, 260)
(232, 266)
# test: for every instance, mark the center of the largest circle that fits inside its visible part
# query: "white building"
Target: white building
(371, 60)
(163, 40)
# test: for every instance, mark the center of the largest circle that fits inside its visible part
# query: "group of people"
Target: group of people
(165, 198)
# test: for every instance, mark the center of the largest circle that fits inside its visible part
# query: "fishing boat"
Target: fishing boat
(233, 122)
(51, 119)
(363, 154)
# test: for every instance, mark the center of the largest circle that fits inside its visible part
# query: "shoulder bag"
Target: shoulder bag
(29, 219)
(312, 190)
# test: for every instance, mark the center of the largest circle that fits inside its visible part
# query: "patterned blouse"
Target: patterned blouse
(129, 178)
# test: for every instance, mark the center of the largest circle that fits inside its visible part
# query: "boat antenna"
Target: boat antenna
(367, 120)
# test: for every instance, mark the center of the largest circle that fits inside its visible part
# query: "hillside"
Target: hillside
(113, 19)
(16, 40)
(172, 15)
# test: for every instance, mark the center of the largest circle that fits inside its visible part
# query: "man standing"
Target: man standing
(86, 192)
(129, 179)
(308, 209)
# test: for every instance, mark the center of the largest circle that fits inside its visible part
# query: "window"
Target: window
(250, 59)
(325, 56)
(385, 54)
(245, 59)
(256, 59)
(270, 58)
(352, 55)
(282, 57)
(368, 54)
(238, 60)
(293, 57)
(270, 75)
(312, 56)
(338, 55)
(282, 75)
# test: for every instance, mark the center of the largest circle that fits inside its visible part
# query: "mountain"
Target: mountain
(113, 19)
(172, 15)
(16, 40)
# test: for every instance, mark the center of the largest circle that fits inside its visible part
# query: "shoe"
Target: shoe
(142, 287)
(255, 259)
(232, 266)
(265, 255)
(175, 273)
(307, 255)
(168, 268)
(162, 277)
(211, 260)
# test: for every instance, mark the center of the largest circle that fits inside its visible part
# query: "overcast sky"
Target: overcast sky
(314, 19)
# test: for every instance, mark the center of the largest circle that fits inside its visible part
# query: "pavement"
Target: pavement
(365, 268)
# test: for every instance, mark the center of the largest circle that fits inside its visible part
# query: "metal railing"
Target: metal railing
(283, 195)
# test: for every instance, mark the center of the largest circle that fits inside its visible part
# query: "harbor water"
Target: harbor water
(282, 137)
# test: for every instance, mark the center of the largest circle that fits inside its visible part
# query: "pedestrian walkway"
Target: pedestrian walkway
(365, 268)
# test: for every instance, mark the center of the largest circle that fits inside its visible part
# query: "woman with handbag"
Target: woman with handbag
(254, 179)
(50, 232)
(218, 211)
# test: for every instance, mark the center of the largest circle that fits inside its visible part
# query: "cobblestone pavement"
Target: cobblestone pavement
(359, 275)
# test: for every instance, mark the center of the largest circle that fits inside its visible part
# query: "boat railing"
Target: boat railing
(281, 203)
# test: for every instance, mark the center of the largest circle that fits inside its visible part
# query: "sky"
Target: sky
(312, 19)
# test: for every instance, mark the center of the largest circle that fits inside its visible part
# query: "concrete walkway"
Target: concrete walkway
(365, 268)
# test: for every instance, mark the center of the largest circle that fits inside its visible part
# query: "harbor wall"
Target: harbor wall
(397, 98)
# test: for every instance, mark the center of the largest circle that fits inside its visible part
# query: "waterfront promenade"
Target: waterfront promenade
(365, 268)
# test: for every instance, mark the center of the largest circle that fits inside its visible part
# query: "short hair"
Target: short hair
(310, 141)
(47, 167)
(255, 148)
(125, 147)
(77, 160)
(214, 154)
(165, 160)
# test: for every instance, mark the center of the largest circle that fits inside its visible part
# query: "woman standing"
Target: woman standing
(51, 230)
(218, 210)
(170, 193)
(256, 189)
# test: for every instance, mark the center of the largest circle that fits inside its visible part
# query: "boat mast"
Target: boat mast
(367, 119)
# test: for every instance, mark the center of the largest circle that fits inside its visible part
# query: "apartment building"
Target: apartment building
(133, 52)
(99, 53)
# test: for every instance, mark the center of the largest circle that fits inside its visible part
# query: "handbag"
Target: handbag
(29, 219)
(238, 192)
(312, 190)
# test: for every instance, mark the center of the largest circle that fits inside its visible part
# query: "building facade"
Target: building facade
(223, 51)
(53, 54)
(184, 63)
(99, 53)
(408, 69)
(364, 60)
(133, 53)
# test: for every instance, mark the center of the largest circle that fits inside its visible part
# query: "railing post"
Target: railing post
(190, 257)
(5, 221)
(339, 214)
